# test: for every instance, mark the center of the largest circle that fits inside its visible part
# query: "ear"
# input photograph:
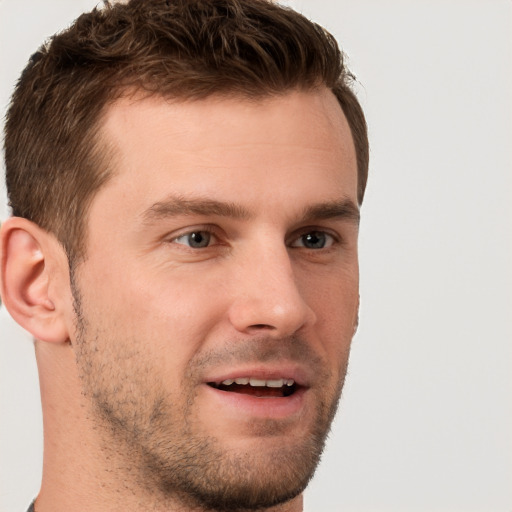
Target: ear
(29, 265)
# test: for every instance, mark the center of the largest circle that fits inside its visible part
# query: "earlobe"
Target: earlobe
(356, 324)
(25, 280)
(356, 316)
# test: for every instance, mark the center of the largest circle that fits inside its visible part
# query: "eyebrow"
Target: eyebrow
(344, 209)
(175, 205)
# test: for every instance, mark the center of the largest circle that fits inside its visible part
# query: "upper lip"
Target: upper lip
(264, 372)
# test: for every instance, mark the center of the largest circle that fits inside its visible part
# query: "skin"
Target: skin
(125, 385)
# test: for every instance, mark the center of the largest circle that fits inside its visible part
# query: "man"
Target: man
(185, 180)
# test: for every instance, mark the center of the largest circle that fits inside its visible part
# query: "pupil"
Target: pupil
(315, 240)
(199, 239)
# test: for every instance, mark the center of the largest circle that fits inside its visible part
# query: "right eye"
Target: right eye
(199, 239)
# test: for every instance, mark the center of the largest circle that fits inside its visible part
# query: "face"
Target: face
(219, 296)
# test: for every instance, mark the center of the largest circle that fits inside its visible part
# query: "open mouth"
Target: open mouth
(260, 388)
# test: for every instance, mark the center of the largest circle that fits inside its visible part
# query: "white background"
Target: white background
(426, 418)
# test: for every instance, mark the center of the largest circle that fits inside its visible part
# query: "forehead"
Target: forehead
(229, 147)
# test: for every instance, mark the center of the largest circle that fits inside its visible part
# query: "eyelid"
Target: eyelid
(302, 246)
(216, 234)
(212, 230)
(336, 238)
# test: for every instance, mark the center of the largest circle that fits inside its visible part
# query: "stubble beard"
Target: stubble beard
(170, 460)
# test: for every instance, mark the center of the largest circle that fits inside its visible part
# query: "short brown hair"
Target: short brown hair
(186, 49)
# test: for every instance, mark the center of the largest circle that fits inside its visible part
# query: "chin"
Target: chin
(261, 475)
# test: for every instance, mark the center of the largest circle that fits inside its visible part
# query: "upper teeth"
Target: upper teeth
(270, 383)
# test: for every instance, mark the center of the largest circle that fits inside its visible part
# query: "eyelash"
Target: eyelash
(334, 239)
(315, 232)
(201, 229)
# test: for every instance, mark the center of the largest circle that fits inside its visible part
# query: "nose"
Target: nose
(267, 298)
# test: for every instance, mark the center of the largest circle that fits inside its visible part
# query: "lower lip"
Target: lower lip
(258, 407)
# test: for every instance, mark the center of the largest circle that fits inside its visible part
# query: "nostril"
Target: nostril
(274, 314)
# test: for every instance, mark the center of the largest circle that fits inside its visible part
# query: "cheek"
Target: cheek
(332, 292)
(171, 313)
(335, 302)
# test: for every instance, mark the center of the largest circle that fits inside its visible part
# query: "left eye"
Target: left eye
(314, 240)
(195, 239)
